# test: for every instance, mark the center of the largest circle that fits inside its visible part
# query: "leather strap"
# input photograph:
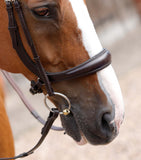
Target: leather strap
(34, 66)
(17, 42)
(43, 76)
(52, 116)
(93, 65)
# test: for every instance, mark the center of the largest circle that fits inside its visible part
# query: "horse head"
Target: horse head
(64, 37)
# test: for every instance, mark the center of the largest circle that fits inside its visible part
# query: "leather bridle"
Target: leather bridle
(91, 66)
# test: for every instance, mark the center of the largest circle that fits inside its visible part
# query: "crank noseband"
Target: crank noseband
(91, 66)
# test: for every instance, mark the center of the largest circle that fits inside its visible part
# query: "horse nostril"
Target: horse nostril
(108, 123)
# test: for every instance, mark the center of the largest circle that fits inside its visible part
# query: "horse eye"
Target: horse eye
(42, 12)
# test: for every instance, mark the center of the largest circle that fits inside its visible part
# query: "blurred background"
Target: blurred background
(118, 24)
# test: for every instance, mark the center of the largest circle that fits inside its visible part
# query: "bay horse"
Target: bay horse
(64, 37)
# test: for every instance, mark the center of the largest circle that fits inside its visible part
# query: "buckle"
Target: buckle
(36, 87)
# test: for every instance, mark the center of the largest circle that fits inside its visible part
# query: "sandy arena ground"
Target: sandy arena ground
(127, 146)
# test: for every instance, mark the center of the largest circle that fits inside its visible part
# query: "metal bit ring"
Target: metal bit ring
(65, 111)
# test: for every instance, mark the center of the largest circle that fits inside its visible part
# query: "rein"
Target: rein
(52, 116)
(44, 78)
(26, 102)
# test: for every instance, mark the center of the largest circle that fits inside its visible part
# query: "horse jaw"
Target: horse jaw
(106, 77)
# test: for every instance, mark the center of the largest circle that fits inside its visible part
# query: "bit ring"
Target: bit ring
(65, 111)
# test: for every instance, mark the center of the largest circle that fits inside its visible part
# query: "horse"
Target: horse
(64, 37)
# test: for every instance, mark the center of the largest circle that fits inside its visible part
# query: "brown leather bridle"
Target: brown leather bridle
(91, 66)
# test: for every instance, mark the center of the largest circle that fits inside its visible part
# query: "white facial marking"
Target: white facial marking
(109, 83)
(89, 36)
(107, 78)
